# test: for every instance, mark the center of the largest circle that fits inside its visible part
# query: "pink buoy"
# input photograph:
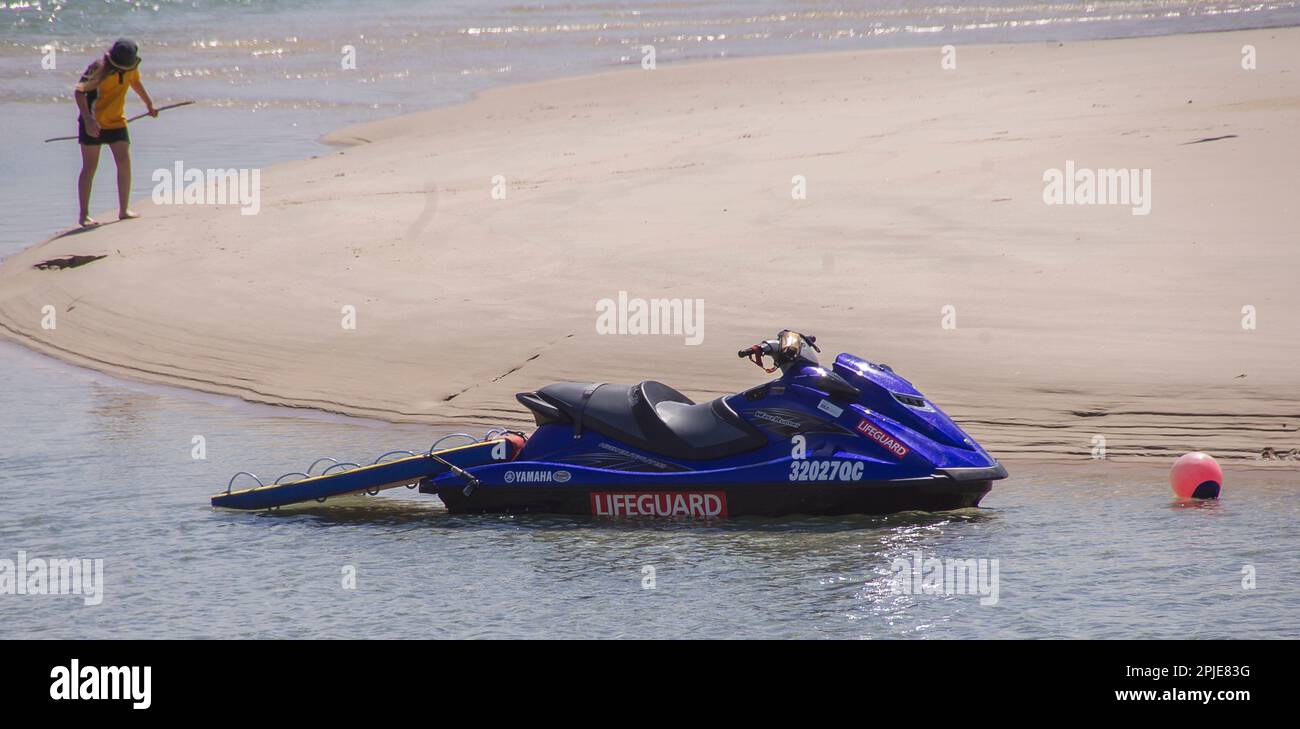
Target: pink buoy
(1196, 476)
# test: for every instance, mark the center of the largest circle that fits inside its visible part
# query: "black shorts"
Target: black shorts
(106, 136)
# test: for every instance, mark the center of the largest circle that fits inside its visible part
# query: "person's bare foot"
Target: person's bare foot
(88, 222)
(127, 215)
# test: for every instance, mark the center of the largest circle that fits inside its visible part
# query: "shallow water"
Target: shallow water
(92, 468)
(95, 468)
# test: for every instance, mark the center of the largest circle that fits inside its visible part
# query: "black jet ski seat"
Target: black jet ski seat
(651, 416)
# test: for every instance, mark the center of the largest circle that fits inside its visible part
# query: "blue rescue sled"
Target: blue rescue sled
(372, 479)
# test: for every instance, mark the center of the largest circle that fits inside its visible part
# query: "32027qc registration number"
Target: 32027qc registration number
(826, 470)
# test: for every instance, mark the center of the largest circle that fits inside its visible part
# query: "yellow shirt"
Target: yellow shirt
(108, 102)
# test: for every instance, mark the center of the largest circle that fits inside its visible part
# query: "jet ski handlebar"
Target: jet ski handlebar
(786, 348)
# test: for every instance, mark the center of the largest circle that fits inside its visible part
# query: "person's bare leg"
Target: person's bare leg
(89, 163)
(122, 157)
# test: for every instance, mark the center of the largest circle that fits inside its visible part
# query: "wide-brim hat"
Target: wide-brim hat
(124, 55)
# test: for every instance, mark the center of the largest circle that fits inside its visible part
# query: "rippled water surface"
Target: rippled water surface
(91, 468)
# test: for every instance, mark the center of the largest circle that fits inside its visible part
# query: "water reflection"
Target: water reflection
(428, 510)
(1208, 505)
(118, 416)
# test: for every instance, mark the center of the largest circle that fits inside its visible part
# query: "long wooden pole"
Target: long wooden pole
(137, 116)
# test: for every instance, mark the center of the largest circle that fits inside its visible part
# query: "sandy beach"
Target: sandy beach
(925, 190)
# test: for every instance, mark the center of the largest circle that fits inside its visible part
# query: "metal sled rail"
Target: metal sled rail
(340, 480)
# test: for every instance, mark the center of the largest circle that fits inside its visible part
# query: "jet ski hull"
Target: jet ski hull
(633, 501)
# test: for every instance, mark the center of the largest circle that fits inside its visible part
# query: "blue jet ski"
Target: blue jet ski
(855, 438)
